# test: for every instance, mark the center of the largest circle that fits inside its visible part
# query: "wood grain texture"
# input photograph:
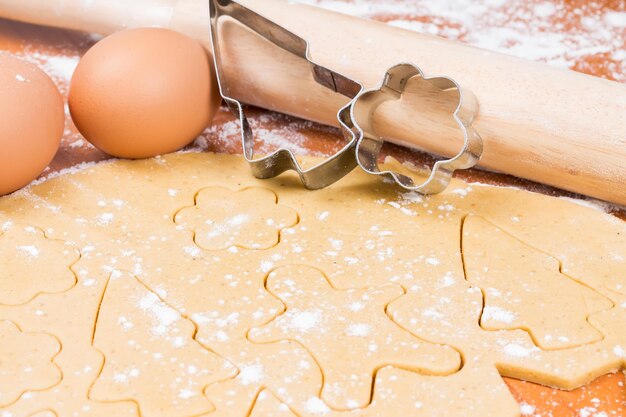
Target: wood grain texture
(548, 125)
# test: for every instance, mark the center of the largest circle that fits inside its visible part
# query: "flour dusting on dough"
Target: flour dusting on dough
(163, 315)
(498, 314)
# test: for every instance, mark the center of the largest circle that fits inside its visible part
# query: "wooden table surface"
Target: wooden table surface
(58, 51)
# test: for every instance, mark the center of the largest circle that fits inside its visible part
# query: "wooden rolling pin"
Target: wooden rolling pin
(548, 125)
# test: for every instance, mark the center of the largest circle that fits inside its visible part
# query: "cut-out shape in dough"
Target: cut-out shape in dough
(349, 334)
(267, 405)
(44, 413)
(471, 391)
(284, 367)
(450, 316)
(250, 218)
(524, 289)
(613, 323)
(31, 265)
(617, 283)
(224, 294)
(26, 362)
(151, 356)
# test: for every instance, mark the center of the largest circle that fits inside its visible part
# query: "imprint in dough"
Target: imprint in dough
(284, 367)
(360, 233)
(451, 316)
(613, 321)
(518, 282)
(471, 391)
(348, 333)
(250, 218)
(44, 413)
(26, 362)
(151, 356)
(267, 405)
(33, 264)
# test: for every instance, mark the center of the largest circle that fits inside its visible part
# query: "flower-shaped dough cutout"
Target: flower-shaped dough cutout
(250, 218)
(32, 264)
(26, 362)
(393, 88)
(349, 334)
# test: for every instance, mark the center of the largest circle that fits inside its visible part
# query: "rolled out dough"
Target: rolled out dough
(181, 286)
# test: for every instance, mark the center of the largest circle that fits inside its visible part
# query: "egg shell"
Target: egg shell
(32, 121)
(143, 92)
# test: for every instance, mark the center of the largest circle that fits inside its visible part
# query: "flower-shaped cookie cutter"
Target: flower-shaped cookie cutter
(392, 88)
(363, 145)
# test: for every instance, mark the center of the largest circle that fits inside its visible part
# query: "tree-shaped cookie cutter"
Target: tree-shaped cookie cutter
(355, 118)
(331, 169)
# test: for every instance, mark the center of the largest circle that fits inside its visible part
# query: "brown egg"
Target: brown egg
(32, 121)
(143, 92)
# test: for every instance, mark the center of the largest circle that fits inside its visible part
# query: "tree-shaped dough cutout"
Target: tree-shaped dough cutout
(150, 354)
(524, 289)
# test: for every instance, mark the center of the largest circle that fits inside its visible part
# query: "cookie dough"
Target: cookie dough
(182, 286)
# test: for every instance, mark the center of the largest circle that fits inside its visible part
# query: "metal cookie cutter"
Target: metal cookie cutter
(355, 118)
(333, 168)
(392, 88)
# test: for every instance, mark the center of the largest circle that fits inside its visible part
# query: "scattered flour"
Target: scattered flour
(358, 330)
(303, 321)
(186, 394)
(30, 250)
(515, 350)
(356, 306)
(526, 409)
(226, 227)
(162, 315)
(284, 134)
(251, 374)
(316, 406)
(105, 219)
(591, 412)
(59, 67)
(543, 31)
(66, 171)
(495, 313)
